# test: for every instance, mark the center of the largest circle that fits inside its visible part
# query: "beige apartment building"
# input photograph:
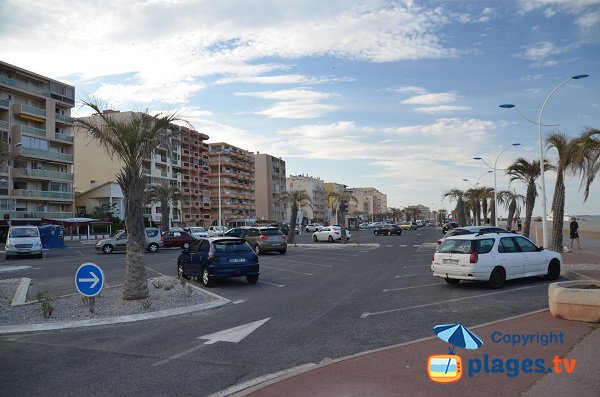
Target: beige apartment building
(35, 124)
(195, 181)
(94, 167)
(369, 202)
(232, 185)
(332, 187)
(315, 189)
(269, 175)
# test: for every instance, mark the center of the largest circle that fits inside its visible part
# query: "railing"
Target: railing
(43, 194)
(46, 174)
(63, 118)
(25, 129)
(63, 137)
(4, 102)
(23, 86)
(4, 124)
(47, 153)
(33, 110)
(29, 215)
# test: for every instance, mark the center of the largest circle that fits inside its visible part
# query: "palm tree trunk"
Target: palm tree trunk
(529, 204)
(292, 234)
(135, 285)
(164, 214)
(512, 208)
(460, 207)
(493, 210)
(558, 211)
(484, 205)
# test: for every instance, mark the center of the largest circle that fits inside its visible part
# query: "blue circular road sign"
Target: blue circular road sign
(89, 279)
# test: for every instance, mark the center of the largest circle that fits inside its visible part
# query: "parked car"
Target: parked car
(448, 225)
(409, 225)
(493, 257)
(196, 232)
(470, 230)
(236, 232)
(218, 257)
(177, 239)
(388, 230)
(266, 239)
(118, 242)
(216, 231)
(313, 227)
(23, 241)
(330, 233)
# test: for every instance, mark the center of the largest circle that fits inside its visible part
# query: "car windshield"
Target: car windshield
(456, 247)
(24, 232)
(197, 229)
(231, 246)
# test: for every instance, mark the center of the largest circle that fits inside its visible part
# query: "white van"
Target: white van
(23, 240)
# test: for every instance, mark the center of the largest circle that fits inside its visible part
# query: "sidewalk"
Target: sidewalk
(401, 370)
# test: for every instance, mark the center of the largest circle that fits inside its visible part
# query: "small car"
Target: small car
(493, 257)
(313, 227)
(196, 231)
(118, 242)
(448, 225)
(236, 231)
(218, 257)
(471, 230)
(22, 241)
(266, 239)
(388, 230)
(216, 231)
(330, 233)
(177, 239)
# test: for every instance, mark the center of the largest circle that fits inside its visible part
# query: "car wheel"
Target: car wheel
(452, 281)
(153, 247)
(282, 252)
(185, 246)
(107, 249)
(330, 239)
(553, 270)
(315, 239)
(180, 272)
(257, 250)
(497, 278)
(206, 281)
(252, 279)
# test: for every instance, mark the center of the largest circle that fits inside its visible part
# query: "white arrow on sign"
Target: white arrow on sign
(233, 335)
(93, 280)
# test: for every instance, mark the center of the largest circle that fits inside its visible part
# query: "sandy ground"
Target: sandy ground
(589, 229)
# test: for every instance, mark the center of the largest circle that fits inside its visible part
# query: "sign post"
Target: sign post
(89, 280)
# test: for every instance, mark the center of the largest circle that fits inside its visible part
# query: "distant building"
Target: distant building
(196, 208)
(315, 189)
(108, 193)
(36, 125)
(269, 174)
(369, 202)
(332, 187)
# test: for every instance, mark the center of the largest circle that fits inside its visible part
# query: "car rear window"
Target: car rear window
(270, 232)
(152, 232)
(456, 247)
(231, 246)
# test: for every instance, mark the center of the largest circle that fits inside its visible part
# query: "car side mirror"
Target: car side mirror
(540, 248)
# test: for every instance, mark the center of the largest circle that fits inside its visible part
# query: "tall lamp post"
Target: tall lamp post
(539, 125)
(494, 168)
(477, 183)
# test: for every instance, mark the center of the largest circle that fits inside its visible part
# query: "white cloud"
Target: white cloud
(430, 99)
(539, 51)
(589, 20)
(282, 79)
(441, 109)
(568, 5)
(173, 93)
(294, 104)
(409, 89)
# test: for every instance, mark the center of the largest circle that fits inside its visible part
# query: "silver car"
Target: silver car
(118, 242)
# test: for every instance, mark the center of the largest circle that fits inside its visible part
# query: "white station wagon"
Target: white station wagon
(493, 257)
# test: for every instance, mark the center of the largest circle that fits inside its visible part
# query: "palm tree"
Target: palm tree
(457, 194)
(511, 201)
(295, 199)
(396, 213)
(340, 203)
(527, 172)
(487, 193)
(587, 157)
(473, 198)
(165, 195)
(129, 138)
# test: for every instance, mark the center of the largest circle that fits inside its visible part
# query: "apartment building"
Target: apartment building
(195, 181)
(269, 175)
(369, 202)
(315, 189)
(232, 185)
(332, 187)
(94, 167)
(35, 124)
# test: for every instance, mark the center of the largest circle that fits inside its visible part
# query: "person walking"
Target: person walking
(519, 224)
(574, 232)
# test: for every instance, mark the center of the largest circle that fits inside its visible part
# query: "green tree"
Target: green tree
(487, 193)
(129, 138)
(166, 195)
(295, 199)
(396, 213)
(587, 157)
(528, 173)
(340, 202)
(511, 201)
(457, 194)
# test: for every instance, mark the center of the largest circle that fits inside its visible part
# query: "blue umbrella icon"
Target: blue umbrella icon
(457, 335)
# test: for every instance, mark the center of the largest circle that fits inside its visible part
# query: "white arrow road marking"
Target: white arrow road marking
(233, 335)
(94, 280)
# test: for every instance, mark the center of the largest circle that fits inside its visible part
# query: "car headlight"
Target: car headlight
(9, 245)
(37, 244)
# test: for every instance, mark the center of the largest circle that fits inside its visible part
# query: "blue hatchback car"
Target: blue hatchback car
(218, 257)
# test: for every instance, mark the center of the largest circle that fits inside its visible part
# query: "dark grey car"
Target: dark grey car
(266, 239)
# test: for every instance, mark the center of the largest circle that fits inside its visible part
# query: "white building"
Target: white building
(315, 189)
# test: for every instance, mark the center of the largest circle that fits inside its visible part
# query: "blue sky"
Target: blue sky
(398, 95)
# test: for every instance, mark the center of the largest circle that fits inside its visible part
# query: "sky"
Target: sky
(396, 95)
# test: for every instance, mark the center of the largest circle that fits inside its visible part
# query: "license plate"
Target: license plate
(451, 261)
(237, 260)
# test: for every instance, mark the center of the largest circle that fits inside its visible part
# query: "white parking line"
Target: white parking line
(411, 275)
(273, 284)
(303, 263)
(403, 246)
(286, 270)
(368, 314)
(414, 286)
(320, 257)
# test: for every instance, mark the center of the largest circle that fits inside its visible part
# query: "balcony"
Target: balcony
(3, 125)
(63, 119)
(42, 194)
(46, 154)
(63, 137)
(28, 130)
(30, 112)
(41, 174)
(4, 103)
(33, 215)
(5, 81)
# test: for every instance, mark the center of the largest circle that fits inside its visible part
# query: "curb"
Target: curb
(573, 275)
(21, 292)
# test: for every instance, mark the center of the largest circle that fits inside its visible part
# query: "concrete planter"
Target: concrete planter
(575, 300)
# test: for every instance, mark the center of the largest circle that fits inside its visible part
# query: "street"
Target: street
(313, 304)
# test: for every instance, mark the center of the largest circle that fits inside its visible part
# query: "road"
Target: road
(320, 304)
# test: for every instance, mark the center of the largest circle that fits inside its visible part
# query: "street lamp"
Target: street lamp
(539, 124)
(494, 168)
(477, 183)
